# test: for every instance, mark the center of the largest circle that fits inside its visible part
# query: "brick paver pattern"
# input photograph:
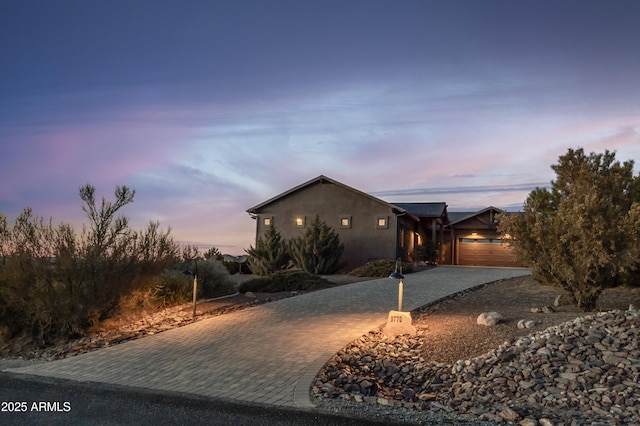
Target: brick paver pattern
(267, 354)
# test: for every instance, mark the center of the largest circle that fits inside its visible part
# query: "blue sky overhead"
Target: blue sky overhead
(207, 108)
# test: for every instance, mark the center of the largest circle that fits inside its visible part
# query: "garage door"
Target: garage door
(485, 252)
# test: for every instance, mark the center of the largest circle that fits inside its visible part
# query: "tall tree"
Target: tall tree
(270, 253)
(319, 250)
(584, 233)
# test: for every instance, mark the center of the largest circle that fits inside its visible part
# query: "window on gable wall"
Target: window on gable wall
(266, 221)
(345, 222)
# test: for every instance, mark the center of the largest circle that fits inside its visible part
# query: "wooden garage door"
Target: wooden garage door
(485, 252)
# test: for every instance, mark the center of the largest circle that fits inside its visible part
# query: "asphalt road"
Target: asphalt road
(30, 400)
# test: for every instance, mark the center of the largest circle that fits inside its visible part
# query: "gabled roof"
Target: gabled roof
(424, 210)
(457, 217)
(323, 179)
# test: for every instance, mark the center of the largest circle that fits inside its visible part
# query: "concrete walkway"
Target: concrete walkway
(267, 354)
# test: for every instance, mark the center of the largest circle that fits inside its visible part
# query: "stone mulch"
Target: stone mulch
(567, 370)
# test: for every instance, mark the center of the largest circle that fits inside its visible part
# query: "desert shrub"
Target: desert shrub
(136, 304)
(33, 304)
(379, 268)
(56, 283)
(173, 288)
(319, 250)
(270, 253)
(285, 281)
(213, 279)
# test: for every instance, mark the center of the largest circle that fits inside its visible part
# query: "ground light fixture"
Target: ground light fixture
(398, 322)
(187, 271)
(397, 275)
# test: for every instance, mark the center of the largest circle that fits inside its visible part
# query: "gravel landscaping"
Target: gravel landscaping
(569, 369)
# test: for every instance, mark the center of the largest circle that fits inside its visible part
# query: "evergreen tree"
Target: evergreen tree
(319, 250)
(269, 255)
(584, 233)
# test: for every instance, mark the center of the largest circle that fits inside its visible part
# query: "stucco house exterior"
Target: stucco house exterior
(472, 238)
(371, 228)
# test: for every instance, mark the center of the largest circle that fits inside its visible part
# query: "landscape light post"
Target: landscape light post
(397, 275)
(195, 284)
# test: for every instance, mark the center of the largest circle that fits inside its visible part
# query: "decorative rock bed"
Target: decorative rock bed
(581, 372)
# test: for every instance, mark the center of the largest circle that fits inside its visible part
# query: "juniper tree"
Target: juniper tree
(270, 253)
(583, 234)
(318, 250)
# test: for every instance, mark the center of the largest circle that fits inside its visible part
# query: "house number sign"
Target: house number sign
(398, 323)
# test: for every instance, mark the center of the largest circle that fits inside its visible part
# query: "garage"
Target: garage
(485, 252)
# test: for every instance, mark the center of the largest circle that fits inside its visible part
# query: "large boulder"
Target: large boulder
(489, 318)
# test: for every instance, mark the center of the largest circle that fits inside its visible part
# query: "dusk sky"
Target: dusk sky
(207, 108)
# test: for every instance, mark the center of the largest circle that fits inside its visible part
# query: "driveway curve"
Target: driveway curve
(268, 354)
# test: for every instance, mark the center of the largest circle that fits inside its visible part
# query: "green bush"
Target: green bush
(380, 268)
(213, 279)
(173, 288)
(285, 281)
(319, 250)
(269, 255)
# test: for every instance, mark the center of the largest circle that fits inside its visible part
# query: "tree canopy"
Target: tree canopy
(582, 234)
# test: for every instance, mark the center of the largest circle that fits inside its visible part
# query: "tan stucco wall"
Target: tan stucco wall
(362, 241)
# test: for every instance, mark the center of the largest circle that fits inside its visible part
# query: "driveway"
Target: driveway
(267, 354)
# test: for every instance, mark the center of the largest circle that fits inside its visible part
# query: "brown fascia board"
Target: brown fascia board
(323, 178)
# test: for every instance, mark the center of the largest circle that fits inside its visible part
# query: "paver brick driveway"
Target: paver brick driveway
(269, 353)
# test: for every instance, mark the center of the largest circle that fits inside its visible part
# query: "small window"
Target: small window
(300, 221)
(479, 240)
(266, 221)
(382, 222)
(345, 222)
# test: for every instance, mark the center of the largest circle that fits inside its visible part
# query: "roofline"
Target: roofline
(444, 210)
(321, 178)
(470, 215)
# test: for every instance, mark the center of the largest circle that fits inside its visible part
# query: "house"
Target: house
(371, 228)
(472, 238)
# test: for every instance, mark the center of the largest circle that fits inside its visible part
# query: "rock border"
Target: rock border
(585, 371)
